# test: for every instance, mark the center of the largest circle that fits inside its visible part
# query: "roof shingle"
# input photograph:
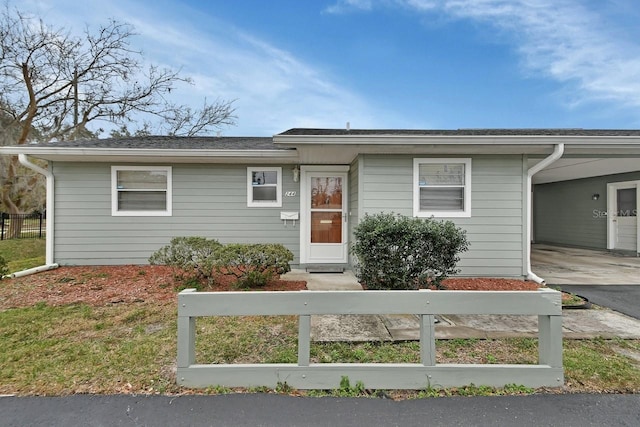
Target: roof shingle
(173, 143)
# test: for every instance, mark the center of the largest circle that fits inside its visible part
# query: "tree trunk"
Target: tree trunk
(15, 227)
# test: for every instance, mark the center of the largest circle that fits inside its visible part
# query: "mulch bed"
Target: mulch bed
(107, 285)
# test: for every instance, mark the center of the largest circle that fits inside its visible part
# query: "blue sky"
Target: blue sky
(427, 64)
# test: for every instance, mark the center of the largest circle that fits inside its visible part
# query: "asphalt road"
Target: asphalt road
(276, 410)
(622, 298)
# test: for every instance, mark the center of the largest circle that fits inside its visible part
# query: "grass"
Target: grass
(21, 254)
(131, 348)
(80, 349)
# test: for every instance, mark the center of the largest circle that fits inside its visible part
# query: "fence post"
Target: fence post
(427, 335)
(40, 234)
(304, 340)
(550, 340)
(1, 225)
(186, 333)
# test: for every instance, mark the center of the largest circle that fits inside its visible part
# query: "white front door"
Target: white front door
(324, 215)
(623, 215)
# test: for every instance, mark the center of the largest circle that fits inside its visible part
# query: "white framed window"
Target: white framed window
(442, 187)
(141, 190)
(264, 187)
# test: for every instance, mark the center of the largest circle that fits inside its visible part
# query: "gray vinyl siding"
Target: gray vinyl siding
(495, 228)
(564, 212)
(208, 201)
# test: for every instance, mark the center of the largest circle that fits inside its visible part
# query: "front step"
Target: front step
(324, 268)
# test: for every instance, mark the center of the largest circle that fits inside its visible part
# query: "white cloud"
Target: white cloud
(344, 6)
(568, 41)
(560, 39)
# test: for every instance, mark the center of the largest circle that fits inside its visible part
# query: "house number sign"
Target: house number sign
(290, 193)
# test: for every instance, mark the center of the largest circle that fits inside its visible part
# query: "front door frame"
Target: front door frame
(612, 189)
(305, 209)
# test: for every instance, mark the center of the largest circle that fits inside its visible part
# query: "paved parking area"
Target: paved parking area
(622, 298)
(571, 266)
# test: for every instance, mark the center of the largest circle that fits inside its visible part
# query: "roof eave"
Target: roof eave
(94, 154)
(292, 140)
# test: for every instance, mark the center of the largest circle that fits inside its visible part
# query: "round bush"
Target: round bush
(397, 252)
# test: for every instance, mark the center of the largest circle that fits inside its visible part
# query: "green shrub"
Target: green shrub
(254, 264)
(4, 268)
(192, 255)
(397, 252)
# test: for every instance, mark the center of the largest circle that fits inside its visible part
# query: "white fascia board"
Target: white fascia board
(454, 139)
(170, 155)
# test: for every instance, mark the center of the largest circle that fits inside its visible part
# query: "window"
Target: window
(264, 187)
(141, 190)
(627, 202)
(442, 187)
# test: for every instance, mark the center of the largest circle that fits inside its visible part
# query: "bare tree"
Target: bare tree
(53, 84)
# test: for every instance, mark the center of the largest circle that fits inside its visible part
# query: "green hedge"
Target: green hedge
(398, 252)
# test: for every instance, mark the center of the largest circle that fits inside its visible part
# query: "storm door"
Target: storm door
(325, 214)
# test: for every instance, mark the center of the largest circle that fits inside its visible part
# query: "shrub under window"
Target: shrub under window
(397, 252)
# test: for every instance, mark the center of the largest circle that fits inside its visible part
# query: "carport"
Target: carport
(584, 212)
(589, 202)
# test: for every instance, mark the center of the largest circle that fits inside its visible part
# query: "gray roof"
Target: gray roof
(462, 132)
(172, 143)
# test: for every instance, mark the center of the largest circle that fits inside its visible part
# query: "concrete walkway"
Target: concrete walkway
(577, 324)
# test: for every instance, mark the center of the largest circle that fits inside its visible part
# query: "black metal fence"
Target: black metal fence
(22, 226)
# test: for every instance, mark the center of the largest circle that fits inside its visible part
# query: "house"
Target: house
(117, 201)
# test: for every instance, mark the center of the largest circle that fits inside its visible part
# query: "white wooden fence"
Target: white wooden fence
(545, 303)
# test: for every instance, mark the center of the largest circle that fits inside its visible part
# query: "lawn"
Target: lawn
(113, 330)
(21, 254)
(131, 348)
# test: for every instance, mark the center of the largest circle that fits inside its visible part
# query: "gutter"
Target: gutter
(49, 264)
(558, 151)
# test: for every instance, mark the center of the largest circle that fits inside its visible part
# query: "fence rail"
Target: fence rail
(545, 303)
(22, 226)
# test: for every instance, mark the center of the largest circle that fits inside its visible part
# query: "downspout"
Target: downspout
(558, 150)
(49, 264)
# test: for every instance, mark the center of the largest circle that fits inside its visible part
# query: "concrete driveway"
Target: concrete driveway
(571, 266)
